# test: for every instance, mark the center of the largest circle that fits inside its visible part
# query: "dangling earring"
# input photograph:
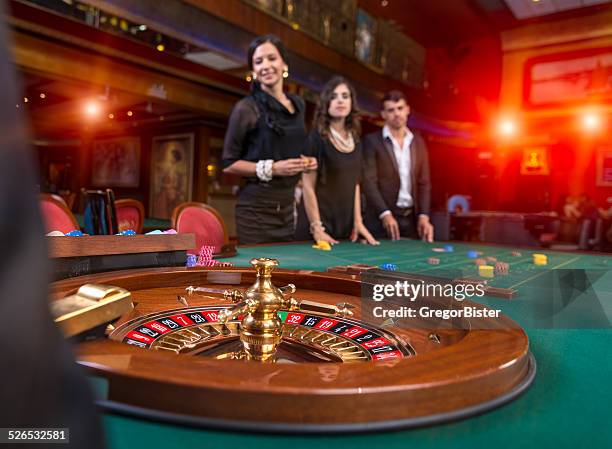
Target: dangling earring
(254, 76)
(286, 73)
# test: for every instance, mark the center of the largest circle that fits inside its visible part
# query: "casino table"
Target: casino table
(568, 405)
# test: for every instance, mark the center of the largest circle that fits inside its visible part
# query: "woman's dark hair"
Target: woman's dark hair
(322, 119)
(258, 95)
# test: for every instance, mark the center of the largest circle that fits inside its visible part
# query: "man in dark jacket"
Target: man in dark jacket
(396, 179)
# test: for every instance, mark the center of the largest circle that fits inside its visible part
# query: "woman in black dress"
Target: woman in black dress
(265, 143)
(331, 195)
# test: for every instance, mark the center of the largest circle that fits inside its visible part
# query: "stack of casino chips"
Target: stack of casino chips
(433, 261)
(502, 268)
(487, 271)
(389, 267)
(540, 259)
(205, 258)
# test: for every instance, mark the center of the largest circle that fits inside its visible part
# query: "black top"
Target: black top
(260, 127)
(337, 176)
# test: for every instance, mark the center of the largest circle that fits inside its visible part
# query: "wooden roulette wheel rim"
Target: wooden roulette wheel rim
(480, 368)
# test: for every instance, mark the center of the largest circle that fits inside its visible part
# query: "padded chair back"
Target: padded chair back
(56, 215)
(203, 221)
(130, 215)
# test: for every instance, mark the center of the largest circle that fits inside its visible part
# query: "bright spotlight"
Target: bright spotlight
(507, 127)
(92, 108)
(590, 121)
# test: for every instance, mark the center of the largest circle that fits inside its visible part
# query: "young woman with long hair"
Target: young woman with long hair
(331, 194)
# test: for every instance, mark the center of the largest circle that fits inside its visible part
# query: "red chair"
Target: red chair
(56, 215)
(203, 221)
(130, 215)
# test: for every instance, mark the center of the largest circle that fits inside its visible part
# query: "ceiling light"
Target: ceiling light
(92, 108)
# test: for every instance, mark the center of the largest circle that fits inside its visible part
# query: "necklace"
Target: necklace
(343, 145)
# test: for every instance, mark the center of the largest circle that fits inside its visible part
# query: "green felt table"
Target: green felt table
(568, 405)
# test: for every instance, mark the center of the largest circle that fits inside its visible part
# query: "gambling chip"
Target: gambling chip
(224, 264)
(491, 259)
(540, 259)
(205, 257)
(480, 261)
(389, 267)
(192, 260)
(487, 271)
(127, 232)
(449, 248)
(472, 254)
(74, 233)
(502, 268)
(322, 245)
(433, 261)
(515, 254)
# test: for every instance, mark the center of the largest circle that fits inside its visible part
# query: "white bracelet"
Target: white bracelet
(263, 169)
(268, 168)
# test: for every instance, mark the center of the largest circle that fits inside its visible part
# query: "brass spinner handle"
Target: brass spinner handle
(233, 295)
(226, 315)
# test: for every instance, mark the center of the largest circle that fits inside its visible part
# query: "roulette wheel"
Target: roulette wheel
(226, 347)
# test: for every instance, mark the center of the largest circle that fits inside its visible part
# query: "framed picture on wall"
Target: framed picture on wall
(365, 37)
(171, 173)
(115, 162)
(604, 167)
(572, 77)
(535, 161)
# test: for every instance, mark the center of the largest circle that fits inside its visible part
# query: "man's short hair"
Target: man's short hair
(394, 96)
